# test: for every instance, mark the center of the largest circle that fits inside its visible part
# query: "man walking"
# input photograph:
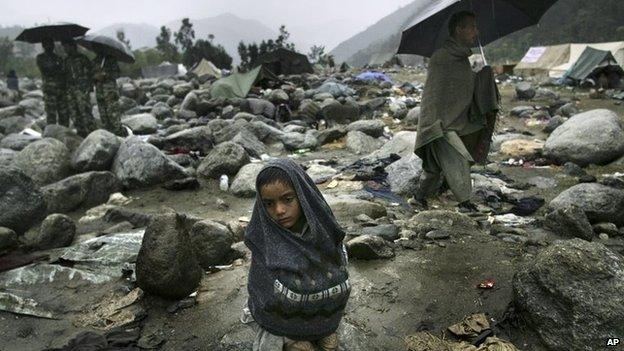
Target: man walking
(446, 130)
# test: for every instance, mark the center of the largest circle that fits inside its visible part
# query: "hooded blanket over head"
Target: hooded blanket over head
(298, 284)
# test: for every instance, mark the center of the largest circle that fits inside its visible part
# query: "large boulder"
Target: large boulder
(402, 144)
(45, 161)
(320, 173)
(21, 202)
(404, 174)
(346, 208)
(225, 158)
(360, 143)
(296, 141)
(57, 230)
(196, 138)
(592, 137)
(599, 202)
(96, 152)
(250, 143)
(442, 220)
(139, 164)
(369, 247)
(337, 113)
(569, 222)
(244, 184)
(524, 91)
(142, 123)
(63, 134)
(166, 265)
(161, 111)
(18, 142)
(331, 134)
(85, 189)
(571, 294)
(261, 107)
(14, 124)
(6, 157)
(374, 128)
(211, 242)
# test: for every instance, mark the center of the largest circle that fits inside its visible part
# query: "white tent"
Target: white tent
(616, 48)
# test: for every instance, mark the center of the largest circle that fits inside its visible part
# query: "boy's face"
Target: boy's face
(281, 203)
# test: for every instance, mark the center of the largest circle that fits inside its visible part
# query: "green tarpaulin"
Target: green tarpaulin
(590, 62)
(238, 84)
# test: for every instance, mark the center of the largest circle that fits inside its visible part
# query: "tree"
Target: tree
(204, 49)
(121, 36)
(243, 53)
(185, 37)
(167, 49)
(282, 39)
(316, 53)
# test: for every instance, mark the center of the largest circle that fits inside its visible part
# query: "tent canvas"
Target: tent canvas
(206, 68)
(287, 62)
(238, 84)
(590, 61)
(539, 60)
(576, 50)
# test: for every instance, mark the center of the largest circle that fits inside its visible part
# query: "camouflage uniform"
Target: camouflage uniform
(106, 71)
(79, 84)
(53, 75)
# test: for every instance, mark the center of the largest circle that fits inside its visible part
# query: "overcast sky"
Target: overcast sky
(356, 14)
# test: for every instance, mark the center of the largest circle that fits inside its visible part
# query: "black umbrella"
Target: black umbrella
(107, 46)
(55, 31)
(495, 19)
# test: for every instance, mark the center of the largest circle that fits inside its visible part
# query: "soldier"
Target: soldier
(106, 71)
(51, 68)
(79, 72)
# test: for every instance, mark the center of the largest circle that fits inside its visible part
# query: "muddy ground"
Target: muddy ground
(424, 289)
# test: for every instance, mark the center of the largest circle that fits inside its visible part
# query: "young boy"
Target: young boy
(298, 281)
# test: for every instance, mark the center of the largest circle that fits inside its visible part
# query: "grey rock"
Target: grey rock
(63, 134)
(295, 141)
(6, 157)
(404, 174)
(21, 202)
(244, 183)
(196, 139)
(608, 228)
(335, 89)
(369, 247)
(45, 161)
(278, 96)
(57, 230)
(181, 90)
(545, 94)
(402, 144)
(360, 143)
(438, 234)
(524, 91)
(190, 103)
(294, 128)
(567, 110)
(11, 111)
(120, 215)
(225, 158)
(572, 169)
(374, 128)
(166, 265)
(570, 222)
(519, 111)
(331, 134)
(261, 107)
(143, 123)
(250, 143)
(554, 123)
(320, 173)
(138, 164)
(412, 116)
(96, 152)
(593, 137)
(81, 190)
(337, 113)
(211, 242)
(570, 293)
(599, 202)
(388, 232)
(189, 183)
(8, 239)
(225, 130)
(542, 182)
(14, 124)
(348, 207)
(263, 130)
(450, 221)
(17, 142)
(161, 111)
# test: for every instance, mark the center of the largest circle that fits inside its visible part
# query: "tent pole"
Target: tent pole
(482, 53)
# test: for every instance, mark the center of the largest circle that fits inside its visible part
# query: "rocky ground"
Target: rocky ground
(133, 239)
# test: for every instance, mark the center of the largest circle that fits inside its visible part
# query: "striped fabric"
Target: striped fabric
(332, 292)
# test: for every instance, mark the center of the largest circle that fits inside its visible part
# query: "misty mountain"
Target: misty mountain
(140, 34)
(567, 21)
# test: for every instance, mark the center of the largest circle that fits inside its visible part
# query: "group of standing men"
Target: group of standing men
(68, 82)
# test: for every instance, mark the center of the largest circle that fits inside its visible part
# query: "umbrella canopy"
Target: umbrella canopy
(102, 44)
(55, 31)
(495, 19)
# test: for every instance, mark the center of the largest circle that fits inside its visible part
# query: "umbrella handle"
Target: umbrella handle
(482, 53)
